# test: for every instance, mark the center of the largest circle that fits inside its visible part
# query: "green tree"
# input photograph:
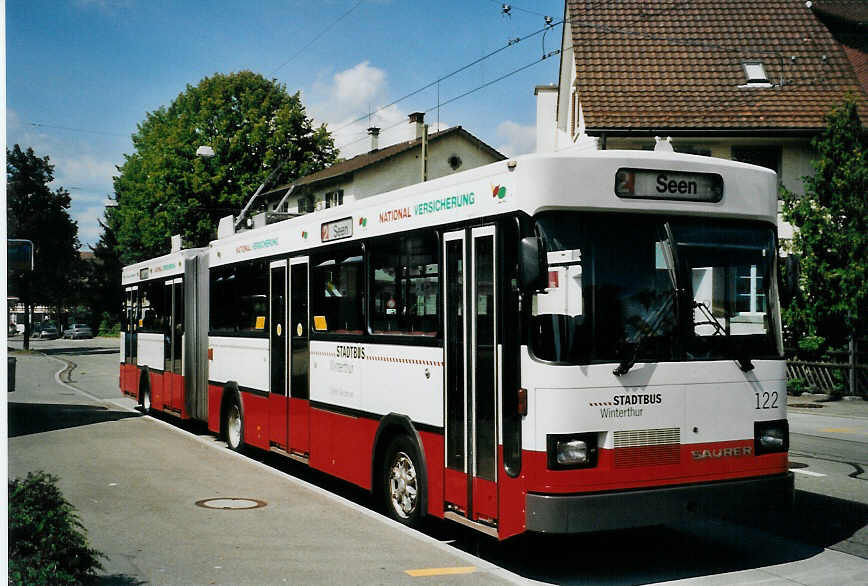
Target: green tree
(102, 285)
(832, 233)
(252, 124)
(35, 212)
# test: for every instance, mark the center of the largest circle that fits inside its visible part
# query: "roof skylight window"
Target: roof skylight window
(756, 74)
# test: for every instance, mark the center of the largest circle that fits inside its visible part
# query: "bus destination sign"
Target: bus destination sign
(337, 230)
(660, 184)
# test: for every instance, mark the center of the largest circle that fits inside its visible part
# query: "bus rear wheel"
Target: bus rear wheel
(146, 395)
(233, 426)
(402, 485)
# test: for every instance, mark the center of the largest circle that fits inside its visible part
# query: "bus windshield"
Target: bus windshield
(653, 288)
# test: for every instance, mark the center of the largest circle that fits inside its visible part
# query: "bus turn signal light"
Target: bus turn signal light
(522, 401)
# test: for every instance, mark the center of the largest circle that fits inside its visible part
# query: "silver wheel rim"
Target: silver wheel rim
(233, 426)
(146, 401)
(403, 485)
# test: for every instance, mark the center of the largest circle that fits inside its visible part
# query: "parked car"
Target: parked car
(47, 333)
(76, 331)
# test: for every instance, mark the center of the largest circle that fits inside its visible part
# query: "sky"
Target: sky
(81, 74)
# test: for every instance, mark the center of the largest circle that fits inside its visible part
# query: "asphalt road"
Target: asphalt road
(136, 479)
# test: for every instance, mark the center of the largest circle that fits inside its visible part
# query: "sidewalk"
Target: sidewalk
(820, 405)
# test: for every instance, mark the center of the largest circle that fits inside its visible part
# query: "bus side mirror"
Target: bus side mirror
(532, 267)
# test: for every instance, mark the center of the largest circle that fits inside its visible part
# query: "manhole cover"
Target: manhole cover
(226, 504)
(806, 405)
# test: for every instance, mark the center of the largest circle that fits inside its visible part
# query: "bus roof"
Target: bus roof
(531, 183)
(168, 265)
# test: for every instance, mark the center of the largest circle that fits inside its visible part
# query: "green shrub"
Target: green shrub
(108, 327)
(811, 346)
(796, 386)
(47, 542)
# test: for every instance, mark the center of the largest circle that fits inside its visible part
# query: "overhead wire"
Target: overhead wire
(467, 93)
(71, 129)
(316, 38)
(510, 43)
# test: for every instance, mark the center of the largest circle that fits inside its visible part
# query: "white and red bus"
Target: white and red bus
(555, 343)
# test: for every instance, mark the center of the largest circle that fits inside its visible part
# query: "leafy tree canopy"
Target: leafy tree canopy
(252, 124)
(102, 278)
(35, 212)
(832, 235)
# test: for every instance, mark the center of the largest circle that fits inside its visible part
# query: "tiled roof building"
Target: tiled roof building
(751, 81)
(382, 169)
(697, 64)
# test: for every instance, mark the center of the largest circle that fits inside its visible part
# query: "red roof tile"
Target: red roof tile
(679, 64)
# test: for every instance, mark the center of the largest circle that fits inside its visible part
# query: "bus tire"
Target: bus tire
(233, 424)
(402, 486)
(145, 393)
(146, 401)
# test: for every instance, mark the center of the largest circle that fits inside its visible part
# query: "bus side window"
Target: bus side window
(222, 293)
(405, 285)
(337, 294)
(154, 310)
(252, 299)
(239, 299)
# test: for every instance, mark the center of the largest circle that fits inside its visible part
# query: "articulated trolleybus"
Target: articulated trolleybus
(555, 343)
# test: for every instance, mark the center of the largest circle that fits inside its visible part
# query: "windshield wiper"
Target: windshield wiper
(654, 323)
(670, 257)
(743, 358)
(710, 320)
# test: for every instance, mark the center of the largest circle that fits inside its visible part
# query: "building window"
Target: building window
(756, 75)
(755, 72)
(764, 156)
(692, 149)
(305, 204)
(334, 198)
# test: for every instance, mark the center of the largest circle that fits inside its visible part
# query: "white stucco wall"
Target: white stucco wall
(406, 168)
(795, 164)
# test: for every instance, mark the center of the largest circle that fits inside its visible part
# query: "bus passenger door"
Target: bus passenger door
(299, 380)
(277, 400)
(131, 318)
(177, 376)
(471, 373)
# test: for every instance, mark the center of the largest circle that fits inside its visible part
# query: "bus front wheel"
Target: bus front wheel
(402, 486)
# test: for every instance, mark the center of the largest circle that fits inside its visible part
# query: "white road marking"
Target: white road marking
(808, 473)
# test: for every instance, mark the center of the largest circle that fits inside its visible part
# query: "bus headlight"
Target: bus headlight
(578, 450)
(771, 436)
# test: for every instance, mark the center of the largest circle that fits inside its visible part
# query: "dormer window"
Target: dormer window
(756, 75)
